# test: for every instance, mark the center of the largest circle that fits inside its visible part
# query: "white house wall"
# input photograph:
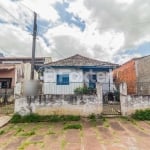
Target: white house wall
(50, 81)
(76, 79)
(106, 79)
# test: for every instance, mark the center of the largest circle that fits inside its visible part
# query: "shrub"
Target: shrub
(92, 117)
(142, 114)
(84, 90)
(71, 118)
(16, 117)
(73, 126)
(38, 118)
(2, 132)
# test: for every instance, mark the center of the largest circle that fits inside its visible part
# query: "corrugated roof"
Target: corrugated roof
(78, 60)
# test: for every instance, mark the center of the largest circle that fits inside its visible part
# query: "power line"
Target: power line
(18, 21)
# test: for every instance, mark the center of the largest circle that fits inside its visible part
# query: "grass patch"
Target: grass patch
(18, 130)
(141, 115)
(106, 124)
(96, 119)
(38, 118)
(28, 133)
(72, 126)
(63, 144)
(2, 132)
(92, 117)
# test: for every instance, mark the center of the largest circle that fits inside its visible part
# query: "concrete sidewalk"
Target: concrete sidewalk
(4, 120)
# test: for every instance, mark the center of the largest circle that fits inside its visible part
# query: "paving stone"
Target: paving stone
(4, 120)
(73, 147)
(37, 138)
(52, 142)
(14, 144)
(105, 132)
(91, 142)
(33, 147)
(119, 136)
(73, 136)
(135, 130)
(116, 126)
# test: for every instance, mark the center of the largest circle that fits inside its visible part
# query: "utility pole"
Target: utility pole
(33, 45)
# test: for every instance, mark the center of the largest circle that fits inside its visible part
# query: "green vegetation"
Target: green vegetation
(18, 130)
(96, 119)
(106, 124)
(38, 118)
(63, 144)
(92, 117)
(141, 115)
(2, 132)
(84, 90)
(28, 133)
(73, 126)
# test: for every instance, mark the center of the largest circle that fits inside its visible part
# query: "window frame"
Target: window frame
(62, 79)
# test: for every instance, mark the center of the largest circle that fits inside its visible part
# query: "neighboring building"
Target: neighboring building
(64, 76)
(136, 73)
(10, 74)
(7, 76)
(39, 61)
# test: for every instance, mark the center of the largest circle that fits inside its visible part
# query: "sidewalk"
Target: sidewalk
(4, 120)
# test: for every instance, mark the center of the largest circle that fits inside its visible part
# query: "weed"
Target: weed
(18, 130)
(73, 126)
(2, 132)
(51, 132)
(28, 133)
(106, 124)
(63, 144)
(141, 115)
(92, 117)
(48, 118)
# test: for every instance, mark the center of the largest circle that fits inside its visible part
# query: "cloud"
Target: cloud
(45, 9)
(112, 28)
(119, 24)
(17, 42)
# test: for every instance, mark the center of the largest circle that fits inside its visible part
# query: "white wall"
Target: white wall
(50, 82)
(76, 78)
(105, 78)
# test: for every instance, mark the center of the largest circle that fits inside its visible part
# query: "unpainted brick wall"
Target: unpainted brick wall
(126, 73)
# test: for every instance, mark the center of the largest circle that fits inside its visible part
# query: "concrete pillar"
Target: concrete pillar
(100, 97)
(123, 89)
(99, 92)
(123, 98)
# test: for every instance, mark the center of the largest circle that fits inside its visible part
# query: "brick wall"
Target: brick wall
(126, 73)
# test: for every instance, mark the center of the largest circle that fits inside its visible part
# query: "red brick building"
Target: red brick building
(136, 74)
(126, 73)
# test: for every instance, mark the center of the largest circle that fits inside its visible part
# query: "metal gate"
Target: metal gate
(6, 101)
(111, 99)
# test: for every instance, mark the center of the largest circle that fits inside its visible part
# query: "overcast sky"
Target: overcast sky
(110, 30)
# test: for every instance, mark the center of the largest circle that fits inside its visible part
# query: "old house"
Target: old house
(64, 76)
(136, 73)
(18, 69)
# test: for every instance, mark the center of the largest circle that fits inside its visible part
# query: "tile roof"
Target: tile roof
(78, 60)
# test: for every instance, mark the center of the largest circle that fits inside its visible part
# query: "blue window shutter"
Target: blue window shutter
(63, 79)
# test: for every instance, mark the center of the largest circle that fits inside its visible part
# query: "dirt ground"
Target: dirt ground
(111, 134)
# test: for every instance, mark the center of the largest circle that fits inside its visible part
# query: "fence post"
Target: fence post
(99, 95)
(123, 100)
